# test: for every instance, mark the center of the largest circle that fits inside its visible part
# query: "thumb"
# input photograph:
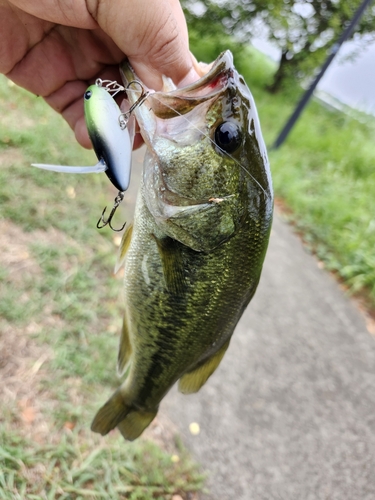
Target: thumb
(153, 35)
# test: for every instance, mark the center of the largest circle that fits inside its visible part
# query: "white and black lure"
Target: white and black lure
(112, 133)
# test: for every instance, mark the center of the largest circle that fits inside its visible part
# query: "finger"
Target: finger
(68, 101)
(66, 96)
(63, 12)
(80, 131)
(138, 141)
(155, 38)
(62, 55)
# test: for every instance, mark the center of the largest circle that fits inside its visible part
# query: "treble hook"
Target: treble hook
(141, 98)
(124, 117)
(102, 222)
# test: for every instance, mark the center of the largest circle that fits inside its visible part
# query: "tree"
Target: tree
(304, 30)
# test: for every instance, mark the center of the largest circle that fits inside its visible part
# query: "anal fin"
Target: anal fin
(192, 381)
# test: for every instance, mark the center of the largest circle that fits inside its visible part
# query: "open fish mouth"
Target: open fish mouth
(172, 101)
(179, 127)
(173, 118)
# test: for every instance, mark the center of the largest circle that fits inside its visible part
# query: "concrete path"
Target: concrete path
(290, 412)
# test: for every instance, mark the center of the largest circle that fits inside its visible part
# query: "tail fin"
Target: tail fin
(135, 423)
(131, 423)
(110, 414)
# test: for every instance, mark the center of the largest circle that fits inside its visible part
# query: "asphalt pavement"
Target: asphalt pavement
(290, 413)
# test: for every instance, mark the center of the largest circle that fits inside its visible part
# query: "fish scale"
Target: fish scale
(195, 252)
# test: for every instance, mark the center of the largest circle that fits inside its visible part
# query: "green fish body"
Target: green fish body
(194, 255)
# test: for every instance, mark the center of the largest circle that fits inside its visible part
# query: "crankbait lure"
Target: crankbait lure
(111, 132)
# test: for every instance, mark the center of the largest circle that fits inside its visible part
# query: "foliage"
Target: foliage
(325, 174)
(304, 30)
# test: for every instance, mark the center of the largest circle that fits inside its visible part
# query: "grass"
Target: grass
(60, 316)
(60, 309)
(324, 173)
(79, 467)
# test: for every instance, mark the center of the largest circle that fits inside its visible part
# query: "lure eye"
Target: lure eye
(228, 137)
(87, 95)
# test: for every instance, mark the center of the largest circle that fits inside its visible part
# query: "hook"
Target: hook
(124, 117)
(142, 97)
(102, 222)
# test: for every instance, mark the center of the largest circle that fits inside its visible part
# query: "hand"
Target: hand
(57, 48)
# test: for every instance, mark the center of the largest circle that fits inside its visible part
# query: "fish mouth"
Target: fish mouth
(153, 118)
(172, 101)
(215, 72)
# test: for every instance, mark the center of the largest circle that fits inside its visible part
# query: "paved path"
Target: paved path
(290, 413)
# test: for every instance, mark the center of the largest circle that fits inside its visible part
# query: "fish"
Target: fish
(194, 254)
(111, 137)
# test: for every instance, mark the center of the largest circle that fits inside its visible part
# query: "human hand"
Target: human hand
(57, 48)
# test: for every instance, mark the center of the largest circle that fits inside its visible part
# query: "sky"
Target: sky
(350, 81)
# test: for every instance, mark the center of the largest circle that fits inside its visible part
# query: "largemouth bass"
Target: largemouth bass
(194, 254)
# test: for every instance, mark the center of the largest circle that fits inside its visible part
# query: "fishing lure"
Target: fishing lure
(111, 132)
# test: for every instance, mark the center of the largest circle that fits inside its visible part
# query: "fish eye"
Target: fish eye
(228, 137)
(87, 95)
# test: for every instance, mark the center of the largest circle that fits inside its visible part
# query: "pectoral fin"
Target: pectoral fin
(172, 262)
(192, 381)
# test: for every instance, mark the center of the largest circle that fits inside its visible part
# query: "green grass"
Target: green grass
(78, 467)
(329, 184)
(60, 306)
(324, 172)
(60, 316)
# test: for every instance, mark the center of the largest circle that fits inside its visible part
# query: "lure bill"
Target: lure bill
(194, 254)
(65, 169)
